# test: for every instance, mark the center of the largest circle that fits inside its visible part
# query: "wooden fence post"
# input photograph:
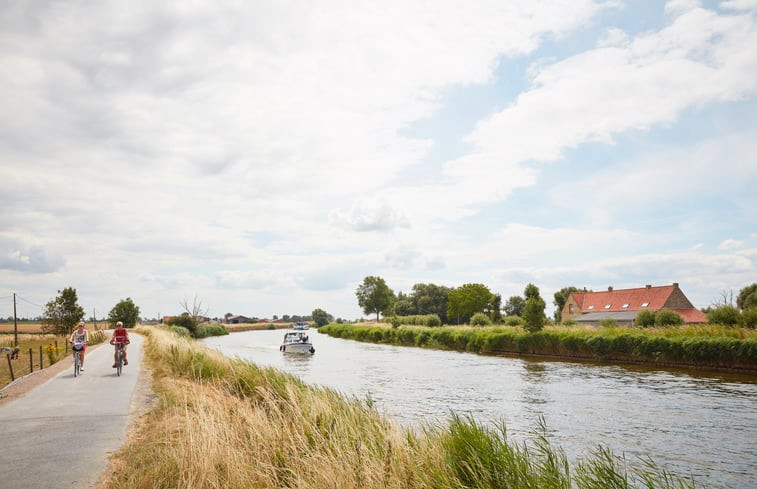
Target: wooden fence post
(31, 360)
(10, 366)
(40, 358)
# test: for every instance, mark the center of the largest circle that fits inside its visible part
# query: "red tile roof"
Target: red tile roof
(655, 297)
(691, 315)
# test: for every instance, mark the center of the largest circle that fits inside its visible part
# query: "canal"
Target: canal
(691, 423)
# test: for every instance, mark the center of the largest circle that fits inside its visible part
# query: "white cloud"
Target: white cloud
(730, 244)
(149, 150)
(701, 57)
(369, 215)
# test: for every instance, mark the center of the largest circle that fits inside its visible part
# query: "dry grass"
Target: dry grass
(233, 425)
(25, 342)
(21, 327)
(223, 423)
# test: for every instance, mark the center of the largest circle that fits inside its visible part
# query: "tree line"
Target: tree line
(475, 304)
(470, 303)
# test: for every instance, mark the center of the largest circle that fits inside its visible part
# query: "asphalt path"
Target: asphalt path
(59, 435)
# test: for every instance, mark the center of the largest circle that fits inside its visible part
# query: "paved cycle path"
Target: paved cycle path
(59, 435)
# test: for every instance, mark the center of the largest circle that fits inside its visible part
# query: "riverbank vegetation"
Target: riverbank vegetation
(226, 423)
(698, 346)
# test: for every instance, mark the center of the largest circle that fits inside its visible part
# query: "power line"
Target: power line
(29, 302)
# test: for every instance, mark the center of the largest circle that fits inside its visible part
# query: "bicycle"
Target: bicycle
(77, 348)
(119, 358)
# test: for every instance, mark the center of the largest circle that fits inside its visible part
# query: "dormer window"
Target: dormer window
(608, 306)
(590, 308)
(646, 304)
(625, 306)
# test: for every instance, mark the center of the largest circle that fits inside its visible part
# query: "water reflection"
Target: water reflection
(703, 425)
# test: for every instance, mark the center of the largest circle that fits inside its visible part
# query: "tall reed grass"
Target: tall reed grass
(223, 423)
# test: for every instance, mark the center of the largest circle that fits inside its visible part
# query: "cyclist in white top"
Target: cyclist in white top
(80, 335)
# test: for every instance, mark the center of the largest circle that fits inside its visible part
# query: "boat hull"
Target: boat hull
(298, 348)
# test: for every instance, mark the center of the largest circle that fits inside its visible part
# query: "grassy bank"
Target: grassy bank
(706, 347)
(226, 423)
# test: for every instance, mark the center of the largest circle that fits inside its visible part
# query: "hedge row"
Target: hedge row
(420, 320)
(700, 351)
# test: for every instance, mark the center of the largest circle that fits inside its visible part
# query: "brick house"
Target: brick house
(624, 305)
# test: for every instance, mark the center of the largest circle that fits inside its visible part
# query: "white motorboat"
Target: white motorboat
(297, 342)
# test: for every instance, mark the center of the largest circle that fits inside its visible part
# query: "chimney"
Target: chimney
(675, 285)
(609, 289)
(649, 286)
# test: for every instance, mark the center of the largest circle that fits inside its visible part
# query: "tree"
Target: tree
(561, 297)
(320, 317)
(62, 313)
(403, 306)
(374, 296)
(495, 309)
(431, 299)
(747, 298)
(533, 311)
(467, 300)
(126, 312)
(195, 311)
(514, 306)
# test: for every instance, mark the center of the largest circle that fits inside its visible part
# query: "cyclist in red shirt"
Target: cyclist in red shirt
(120, 337)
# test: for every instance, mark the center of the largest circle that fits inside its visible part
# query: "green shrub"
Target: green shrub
(513, 321)
(433, 320)
(395, 322)
(480, 319)
(421, 320)
(185, 321)
(569, 322)
(726, 315)
(608, 323)
(204, 331)
(181, 331)
(665, 317)
(645, 319)
(749, 317)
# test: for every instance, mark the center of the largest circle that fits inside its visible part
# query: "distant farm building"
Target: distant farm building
(239, 320)
(622, 306)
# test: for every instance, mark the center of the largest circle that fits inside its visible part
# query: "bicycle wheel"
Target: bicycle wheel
(77, 364)
(119, 362)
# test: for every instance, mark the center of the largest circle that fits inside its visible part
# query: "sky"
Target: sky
(265, 157)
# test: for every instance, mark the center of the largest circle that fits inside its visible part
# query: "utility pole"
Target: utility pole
(15, 322)
(94, 316)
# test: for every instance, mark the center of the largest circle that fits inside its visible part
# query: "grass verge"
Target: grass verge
(227, 423)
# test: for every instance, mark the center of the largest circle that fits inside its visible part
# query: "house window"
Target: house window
(607, 306)
(625, 306)
(590, 308)
(570, 308)
(646, 304)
